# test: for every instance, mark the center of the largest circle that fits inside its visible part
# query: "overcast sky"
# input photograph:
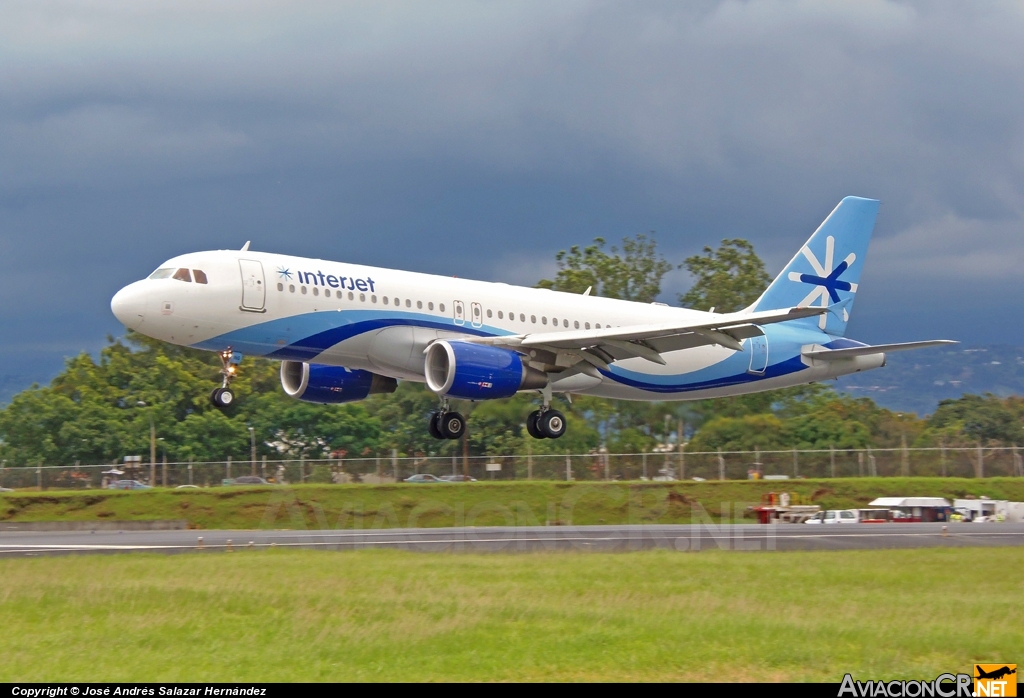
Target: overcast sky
(479, 138)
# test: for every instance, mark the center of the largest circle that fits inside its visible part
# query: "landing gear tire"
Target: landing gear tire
(551, 424)
(531, 425)
(222, 397)
(451, 425)
(432, 427)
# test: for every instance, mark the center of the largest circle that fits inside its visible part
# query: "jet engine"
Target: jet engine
(331, 385)
(478, 372)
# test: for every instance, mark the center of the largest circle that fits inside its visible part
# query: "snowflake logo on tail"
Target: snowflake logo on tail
(825, 280)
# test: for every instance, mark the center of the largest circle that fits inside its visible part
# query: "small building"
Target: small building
(986, 509)
(915, 509)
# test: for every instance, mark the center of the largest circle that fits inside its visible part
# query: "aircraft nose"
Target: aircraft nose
(129, 305)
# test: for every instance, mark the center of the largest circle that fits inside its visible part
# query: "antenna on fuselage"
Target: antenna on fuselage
(587, 292)
(245, 247)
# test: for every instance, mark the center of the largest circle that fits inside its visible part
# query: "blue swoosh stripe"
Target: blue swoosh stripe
(782, 368)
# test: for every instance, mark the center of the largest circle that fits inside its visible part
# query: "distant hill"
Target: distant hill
(915, 381)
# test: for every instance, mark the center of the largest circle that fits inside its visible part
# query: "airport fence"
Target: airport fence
(975, 462)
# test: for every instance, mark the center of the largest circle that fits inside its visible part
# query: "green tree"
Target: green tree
(633, 274)
(973, 418)
(764, 431)
(727, 279)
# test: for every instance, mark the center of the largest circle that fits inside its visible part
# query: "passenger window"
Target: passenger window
(200, 276)
(373, 299)
(533, 319)
(384, 300)
(430, 306)
(565, 323)
(362, 297)
(554, 321)
(280, 287)
(544, 320)
(351, 296)
(441, 307)
(161, 273)
(489, 314)
(408, 303)
(419, 305)
(291, 288)
(586, 325)
(183, 275)
(597, 325)
(500, 314)
(576, 324)
(316, 291)
(303, 290)
(522, 317)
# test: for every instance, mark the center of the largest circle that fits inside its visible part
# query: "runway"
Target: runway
(742, 537)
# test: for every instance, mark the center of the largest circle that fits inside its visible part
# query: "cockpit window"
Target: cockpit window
(200, 276)
(161, 273)
(183, 275)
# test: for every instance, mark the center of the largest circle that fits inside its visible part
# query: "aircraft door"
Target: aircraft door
(758, 354)
(254, 290)
(459, 309)
(478, 314)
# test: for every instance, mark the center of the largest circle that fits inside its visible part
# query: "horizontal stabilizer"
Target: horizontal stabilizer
(832, 354)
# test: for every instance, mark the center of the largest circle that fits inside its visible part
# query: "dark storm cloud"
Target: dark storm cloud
(478, 138)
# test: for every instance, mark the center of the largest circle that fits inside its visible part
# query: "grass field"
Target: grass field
(480, 504)
(386, 615)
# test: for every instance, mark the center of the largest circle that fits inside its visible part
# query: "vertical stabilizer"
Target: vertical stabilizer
(827, 268)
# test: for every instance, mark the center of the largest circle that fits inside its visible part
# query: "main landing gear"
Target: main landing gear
(444, 424)
(223, 396)
(545, 424)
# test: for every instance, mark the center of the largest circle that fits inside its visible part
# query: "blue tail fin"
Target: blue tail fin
(826, 270)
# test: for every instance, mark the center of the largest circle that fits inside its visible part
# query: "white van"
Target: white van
(834, 516)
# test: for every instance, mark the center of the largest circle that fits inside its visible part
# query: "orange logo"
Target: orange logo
(995, 680)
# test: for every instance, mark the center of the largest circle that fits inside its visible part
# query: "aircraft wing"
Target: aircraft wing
(832, 354)
(600, 347)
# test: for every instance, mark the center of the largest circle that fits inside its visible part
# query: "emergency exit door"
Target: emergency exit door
(758, 354)
(254, 290)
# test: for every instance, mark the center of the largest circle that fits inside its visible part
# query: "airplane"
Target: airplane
(345, 331)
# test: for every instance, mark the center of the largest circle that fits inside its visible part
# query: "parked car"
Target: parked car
(833, 516)
(423, 477)
(249, 480)
(458, 478)
(127, 485)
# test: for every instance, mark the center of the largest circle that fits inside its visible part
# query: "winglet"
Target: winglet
(245, 247)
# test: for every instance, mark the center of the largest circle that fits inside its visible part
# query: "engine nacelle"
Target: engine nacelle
(478, 372)
(331, 385)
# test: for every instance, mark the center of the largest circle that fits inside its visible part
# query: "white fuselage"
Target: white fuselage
(381, 320)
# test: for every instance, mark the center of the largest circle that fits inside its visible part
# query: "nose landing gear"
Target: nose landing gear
(445, 424)
(223, 396)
